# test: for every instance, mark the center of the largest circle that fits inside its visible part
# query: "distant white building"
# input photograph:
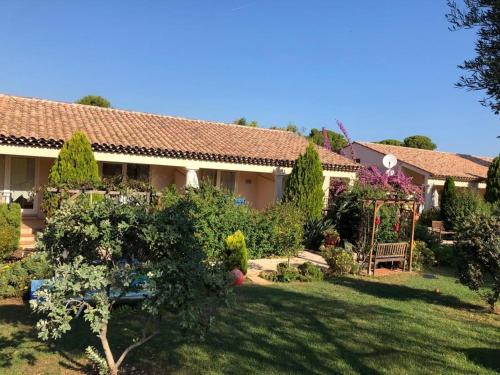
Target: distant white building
(427, 168)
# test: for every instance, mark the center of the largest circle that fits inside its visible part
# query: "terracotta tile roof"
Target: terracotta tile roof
(44, 123)
(438, 164)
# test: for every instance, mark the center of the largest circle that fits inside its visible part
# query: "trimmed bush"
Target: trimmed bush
(447, 196)
(339, 260)
(75, 166)
(15, 277)
(311, 272)
(10, 229)
(237, 252)
(304, 187)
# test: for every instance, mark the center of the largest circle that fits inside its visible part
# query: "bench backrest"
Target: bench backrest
(437, 225)
(391, 249)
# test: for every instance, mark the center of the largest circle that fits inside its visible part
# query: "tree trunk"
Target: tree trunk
(103, 335)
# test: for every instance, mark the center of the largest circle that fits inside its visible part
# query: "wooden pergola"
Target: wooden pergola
(392, 251)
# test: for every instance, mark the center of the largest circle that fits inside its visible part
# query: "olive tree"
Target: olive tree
(105, 253)
(479, 243)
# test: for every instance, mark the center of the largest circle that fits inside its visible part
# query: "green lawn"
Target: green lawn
(396, 324)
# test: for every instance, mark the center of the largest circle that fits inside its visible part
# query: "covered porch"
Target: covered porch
(25, 170)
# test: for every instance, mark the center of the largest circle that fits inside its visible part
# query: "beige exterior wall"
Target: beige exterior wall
(265, 190)
(418, 178)
(246, 186)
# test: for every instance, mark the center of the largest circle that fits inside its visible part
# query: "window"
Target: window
(222, 179)
(111, 170)
(209, 175)
(139, 172)
(22, 181)
(227, 180)
(2, 171)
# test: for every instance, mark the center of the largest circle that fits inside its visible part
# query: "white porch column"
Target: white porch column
(428, 193)
(192, 177)
(326, 190)
(279, 187)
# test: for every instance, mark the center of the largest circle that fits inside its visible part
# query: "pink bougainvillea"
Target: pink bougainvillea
(396, 183)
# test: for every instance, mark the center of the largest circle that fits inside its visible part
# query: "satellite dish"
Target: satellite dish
(389, 161)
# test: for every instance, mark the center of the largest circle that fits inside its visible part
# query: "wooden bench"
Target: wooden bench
(438, 227)
(390, 252)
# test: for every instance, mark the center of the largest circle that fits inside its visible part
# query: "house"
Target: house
(427, 168)
(164, 150)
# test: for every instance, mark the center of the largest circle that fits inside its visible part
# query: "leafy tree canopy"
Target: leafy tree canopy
(243, 121)
(75, 166)
(419, 141)
(304, 187)
(291, 127)
(337, 140)
(482, 71)
(95, 100)
(102, 251)
(493, 181)
(391, 142)
(479, 243)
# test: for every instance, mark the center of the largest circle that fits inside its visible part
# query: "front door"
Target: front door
(23, 182)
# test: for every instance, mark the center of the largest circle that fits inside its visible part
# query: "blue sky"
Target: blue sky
(385, 68)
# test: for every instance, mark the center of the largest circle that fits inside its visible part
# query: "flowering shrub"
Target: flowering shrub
(398, 184)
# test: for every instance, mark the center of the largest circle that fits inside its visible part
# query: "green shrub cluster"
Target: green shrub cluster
(444, 255)
(340, 261)
(464, 205)
(10, 229)
(286, 273)
(15, 277)
(428, 216)
(315, 231)
(213, 216)
(422, 255)
(237, 254)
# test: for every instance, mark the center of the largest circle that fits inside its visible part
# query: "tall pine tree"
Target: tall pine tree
(447, 197)
(304, 187)
(75, 166)
(493, 181)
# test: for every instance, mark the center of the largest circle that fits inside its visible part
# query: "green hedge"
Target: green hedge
(208, 216)
(15, 277)
(10, 229)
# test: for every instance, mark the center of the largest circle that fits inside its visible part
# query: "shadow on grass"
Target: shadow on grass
(486, 357)
(22, 343)
(313, 329)
(276, 330)
(404, 293)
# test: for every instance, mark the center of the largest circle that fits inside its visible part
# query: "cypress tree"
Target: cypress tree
(447, 198)
(493, 181)
(75, 166)
(304, 187)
